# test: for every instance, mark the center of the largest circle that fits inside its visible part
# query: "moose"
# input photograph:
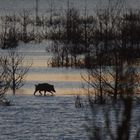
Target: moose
(44, 87)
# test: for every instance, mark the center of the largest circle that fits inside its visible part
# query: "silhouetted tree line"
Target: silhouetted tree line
(114, 55)
(80, 40)
(22, 27)
(112, 76)
(113, 95)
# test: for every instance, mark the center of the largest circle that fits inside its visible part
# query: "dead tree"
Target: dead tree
(24, 24)
(4, 76)
(17, 70)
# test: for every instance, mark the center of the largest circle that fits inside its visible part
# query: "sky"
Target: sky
(44, 5)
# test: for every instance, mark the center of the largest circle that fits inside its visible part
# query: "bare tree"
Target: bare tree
(36, 12)
(8, 35)
(4, 76)
(120, 128)
(17, 70)
(25, 20)
(112, 49)
(114, 75)
(4, 81)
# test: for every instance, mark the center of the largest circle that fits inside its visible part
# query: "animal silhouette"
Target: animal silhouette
(44, 87)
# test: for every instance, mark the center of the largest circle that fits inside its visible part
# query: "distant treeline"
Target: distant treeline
(88, 41)
(78, 40)
(22, 27)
